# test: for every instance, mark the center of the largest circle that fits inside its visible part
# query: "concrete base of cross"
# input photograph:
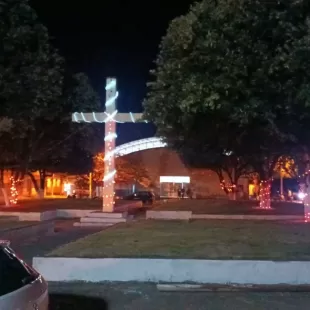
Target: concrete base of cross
(102, 219)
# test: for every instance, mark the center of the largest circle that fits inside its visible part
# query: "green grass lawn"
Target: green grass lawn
(5, 225)
(224, 206)
(196, 239)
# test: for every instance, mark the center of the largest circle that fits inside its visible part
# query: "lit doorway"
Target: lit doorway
(169, 185)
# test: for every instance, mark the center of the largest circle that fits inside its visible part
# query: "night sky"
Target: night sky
(112, 38)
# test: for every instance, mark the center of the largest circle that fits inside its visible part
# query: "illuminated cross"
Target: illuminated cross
(110, 117)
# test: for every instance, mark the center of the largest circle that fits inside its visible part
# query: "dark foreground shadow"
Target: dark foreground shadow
(76, 302)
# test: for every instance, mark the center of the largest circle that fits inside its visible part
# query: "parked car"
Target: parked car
(21, 287)
(147, 197)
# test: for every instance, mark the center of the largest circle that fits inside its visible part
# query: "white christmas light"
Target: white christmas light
(110, 136)
(95, 118)
(109, 176)
(108, 155)
(132, 117)
(139, 145)
(111, 85)
(111, 100)
(110, 117)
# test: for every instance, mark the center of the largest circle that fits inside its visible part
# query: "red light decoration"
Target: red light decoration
(304, 174)
(307, 209)
(303, 189)
(13, 192)
(264, 195)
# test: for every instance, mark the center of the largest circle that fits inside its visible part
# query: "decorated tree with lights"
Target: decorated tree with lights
(286, 167)
(234, 75)
(132, 172)
(63, 146)
(128, 172)
(13, 192)
(38, 95)
(31, 80)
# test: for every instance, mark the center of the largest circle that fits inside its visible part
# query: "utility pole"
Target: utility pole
(52, 185)
(90, 185)
(281, 184)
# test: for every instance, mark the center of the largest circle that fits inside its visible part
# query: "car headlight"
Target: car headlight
(301, 195)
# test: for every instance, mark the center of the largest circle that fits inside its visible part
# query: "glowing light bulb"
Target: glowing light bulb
(13, 192)
(110, 136)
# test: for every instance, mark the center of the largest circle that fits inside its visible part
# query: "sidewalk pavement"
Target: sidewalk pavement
(65, 233)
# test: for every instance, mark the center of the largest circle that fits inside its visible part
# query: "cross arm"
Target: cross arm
(103, 117)
(129, 117)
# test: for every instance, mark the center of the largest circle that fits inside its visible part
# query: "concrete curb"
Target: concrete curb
(174, 271)
(188, 215)
(247, 217)
(150, 214)
(194, 288)
(76, 213)
(24, 216)
(169, 215)
(62, 213)
(28, 231)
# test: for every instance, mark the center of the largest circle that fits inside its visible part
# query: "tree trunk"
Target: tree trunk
(232, 189)
(3, 189)
(234, 184)
(264, 194)
(35, 184)
(42, 183)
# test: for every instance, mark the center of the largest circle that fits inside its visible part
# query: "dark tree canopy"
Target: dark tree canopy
(30, 68)
(234, 75)
(37, 98)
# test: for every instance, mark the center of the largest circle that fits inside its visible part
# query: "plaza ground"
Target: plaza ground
(41, 205)
(6, 224)
(225, 206)
(40, 245)
(200, 239)
(197, 206)
(132, 296)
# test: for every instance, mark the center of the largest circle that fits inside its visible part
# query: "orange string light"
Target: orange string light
(228, 188)
(13, 192)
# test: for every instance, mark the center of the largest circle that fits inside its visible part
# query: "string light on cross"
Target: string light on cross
(110, 117)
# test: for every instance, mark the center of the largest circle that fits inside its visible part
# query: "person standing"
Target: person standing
(182, 192)
(179, 192)
(189, 193)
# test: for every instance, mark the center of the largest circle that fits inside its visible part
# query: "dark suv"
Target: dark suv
(147, 197)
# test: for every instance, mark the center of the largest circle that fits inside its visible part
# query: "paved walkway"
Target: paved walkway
(132, 296)
(65, 232)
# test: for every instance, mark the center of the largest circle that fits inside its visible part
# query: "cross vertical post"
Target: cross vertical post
(110, 117)
(109, 144)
